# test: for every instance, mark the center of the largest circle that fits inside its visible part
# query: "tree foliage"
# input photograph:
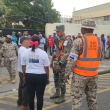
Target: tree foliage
(38, 8)
(2, 8)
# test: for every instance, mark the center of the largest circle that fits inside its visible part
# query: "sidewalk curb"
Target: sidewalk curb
(103, 72)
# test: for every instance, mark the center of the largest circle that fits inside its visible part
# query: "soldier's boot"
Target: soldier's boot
(56, 95)
(13, 79)
(60, 99)
(10, 79)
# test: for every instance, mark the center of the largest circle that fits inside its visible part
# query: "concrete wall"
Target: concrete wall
(75, 29)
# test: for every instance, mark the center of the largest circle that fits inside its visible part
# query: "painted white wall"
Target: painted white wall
(75, 29)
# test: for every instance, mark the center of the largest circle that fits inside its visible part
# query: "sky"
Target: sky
(66, 7)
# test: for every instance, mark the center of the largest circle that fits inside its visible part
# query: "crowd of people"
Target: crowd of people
(80, 55)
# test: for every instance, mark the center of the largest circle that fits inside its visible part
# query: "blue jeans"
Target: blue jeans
(51, 50)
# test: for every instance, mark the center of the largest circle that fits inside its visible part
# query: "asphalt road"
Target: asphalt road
(8, 99)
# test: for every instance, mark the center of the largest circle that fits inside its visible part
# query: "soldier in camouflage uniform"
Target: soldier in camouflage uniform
(2, 40)
(60, 64)
(10, 50)
(84, 75)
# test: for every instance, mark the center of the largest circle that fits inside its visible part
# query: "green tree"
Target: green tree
(37, 8)
(2, 8)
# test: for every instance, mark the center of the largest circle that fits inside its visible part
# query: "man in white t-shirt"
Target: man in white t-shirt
(22, 90)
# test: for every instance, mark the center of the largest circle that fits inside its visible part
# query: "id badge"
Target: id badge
(65, 43)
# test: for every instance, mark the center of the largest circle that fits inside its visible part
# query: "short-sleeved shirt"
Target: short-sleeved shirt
(104, 41)
(20, 52)
(14, 37)
(55, 37)
(50, 42)
(43, 41)
(35, 61)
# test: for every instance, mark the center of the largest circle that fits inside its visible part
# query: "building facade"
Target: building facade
(100, 13)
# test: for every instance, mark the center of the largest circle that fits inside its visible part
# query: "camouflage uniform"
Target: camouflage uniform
(10, 50)
(59, 77)
(81, 84)
(3, 40)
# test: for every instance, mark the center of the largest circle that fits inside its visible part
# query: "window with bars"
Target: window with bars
(106, 18)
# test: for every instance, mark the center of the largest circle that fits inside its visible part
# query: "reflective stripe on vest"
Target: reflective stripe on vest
(62, 52)
(89, 66)
(86, 69)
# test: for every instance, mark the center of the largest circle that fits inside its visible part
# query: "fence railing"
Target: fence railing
(30, 31)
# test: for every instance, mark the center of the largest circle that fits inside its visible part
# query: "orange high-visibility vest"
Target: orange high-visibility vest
(88, 62)
(60, 48)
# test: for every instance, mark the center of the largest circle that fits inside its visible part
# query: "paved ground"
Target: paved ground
(8, 91)
(8, 100)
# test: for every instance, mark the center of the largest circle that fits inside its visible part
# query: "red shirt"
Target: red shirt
(50, 42)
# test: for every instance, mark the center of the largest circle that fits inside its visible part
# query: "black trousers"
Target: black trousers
(45, 48)
(36, 83)
(22, 92)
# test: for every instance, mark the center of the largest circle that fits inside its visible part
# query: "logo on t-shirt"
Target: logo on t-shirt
(33, 58)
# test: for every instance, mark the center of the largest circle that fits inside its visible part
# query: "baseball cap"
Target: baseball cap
(59, 27)
(54, 33)
(40, 35)
(19, 33)
(49, 34)
(13, 32)
(89, 24)
(69, 34)
(23, 38)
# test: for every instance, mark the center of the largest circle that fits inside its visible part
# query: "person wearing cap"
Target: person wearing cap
(22, 90)
(14, 38)
(25, 34)
(2, 40)
(10, 50)
(28, 35)
(54, 36)
(79, 34)
(50, 44)
(59, 59)
(69, 36)
(19, 36)
(39, 33)
(42, 42)
(73, 37)
(83, 63)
